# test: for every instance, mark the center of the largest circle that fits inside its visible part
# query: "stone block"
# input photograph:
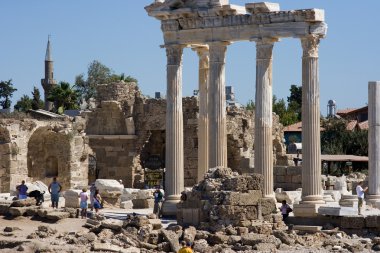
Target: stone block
(262, 7)
(242, 199)
(297, 179)
(145, 194)
(353, 222)
(106, 247)
(267, 206)
(307, 228)
(279, 171)
(143, 203)
(236, 213)
(18, 211)
(129, 194)
(280, 179)
(126, 204)
(109, 187)
(4, 208)
(294, 171)
(371, 221)
(113, 224)
(305, 210)
(57, 215)
(156, 223)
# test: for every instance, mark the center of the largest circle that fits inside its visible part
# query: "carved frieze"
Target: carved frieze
(264, 50)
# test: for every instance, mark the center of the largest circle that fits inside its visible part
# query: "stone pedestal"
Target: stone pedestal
(203, 112)
(373, 143)
(217, 106)
(311, 147)
(174, 176)
(263, 115)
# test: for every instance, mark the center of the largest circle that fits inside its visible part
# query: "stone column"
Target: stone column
(174, 175)
(374, 143)
(263, 115)
(203, 54)
(311, 143)
(217, 106)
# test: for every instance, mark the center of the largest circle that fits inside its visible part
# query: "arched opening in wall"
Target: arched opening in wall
(152, 159)
(5, 159)
(93, 171)
(49, 156)
(51, 167)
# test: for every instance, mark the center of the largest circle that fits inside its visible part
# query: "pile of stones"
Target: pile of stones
(226, 198)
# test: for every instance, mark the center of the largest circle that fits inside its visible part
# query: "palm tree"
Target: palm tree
(64, 96)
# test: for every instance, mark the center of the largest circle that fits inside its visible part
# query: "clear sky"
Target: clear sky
(122, 36)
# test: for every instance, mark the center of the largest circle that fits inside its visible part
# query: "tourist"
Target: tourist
(285, 210)
(97, 201)
(22, 190)
(83, 203)
(158, 196)
(360, 192)
(54, 190)
(186, 247)
(92, 194)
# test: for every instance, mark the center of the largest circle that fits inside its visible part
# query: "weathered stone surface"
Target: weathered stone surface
(112, 224)
(267, 206)
(128, 204)
(143, 203)
(172, 238)
(109, 187)
(356, 222)
(189, 234)
(242, 199)
(106, 247)
(57, 215)
(18, 211)
(201, 245)
(4, 208)
(156, 223)
(23, 202)
(128, 194)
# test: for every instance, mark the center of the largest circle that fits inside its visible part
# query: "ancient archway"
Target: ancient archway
(49, 156)
(5, 158)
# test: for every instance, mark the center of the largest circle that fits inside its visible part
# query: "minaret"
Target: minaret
(48, 82)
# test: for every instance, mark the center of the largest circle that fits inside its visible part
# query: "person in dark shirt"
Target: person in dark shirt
(22, 190)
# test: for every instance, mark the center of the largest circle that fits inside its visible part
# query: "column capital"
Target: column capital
(203, 54)
(218, 51)
(174, 53)
(310, 45)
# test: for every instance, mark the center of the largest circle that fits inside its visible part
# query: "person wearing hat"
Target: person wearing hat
(186, 247)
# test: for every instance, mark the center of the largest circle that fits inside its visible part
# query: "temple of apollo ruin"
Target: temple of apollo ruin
(208, 27)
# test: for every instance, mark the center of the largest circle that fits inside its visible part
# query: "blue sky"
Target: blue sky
(122, 36)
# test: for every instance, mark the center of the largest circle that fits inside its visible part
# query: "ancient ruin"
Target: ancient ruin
(209, 27)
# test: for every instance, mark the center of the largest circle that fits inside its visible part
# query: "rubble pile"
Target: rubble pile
(226, 198)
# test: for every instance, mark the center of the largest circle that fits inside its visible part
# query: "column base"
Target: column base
(169, 207)
(373, 200)
(309, 205)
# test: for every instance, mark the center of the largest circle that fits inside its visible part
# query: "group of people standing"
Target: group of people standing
(55, 188)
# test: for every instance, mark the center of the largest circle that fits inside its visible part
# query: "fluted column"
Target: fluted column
(174, 175)
(373, 142)
(311, 141)
(203, 54)
(263, 114)
(217, 105)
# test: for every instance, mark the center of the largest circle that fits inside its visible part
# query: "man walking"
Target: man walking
(157, 202)
(360, 192)
(54, 189)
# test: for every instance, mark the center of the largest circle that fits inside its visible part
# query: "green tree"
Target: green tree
(97, 73)
(37, 102)
(24, 104)
(287, 115)
(250, 105)
(295, 101)
(6, 92)
(64, 96)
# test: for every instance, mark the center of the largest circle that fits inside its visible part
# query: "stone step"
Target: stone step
(307, 228)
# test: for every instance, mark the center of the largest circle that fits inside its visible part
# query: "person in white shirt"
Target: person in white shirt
(360, 192)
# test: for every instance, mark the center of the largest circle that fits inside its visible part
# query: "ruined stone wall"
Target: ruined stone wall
(289, 178)
(36, 148)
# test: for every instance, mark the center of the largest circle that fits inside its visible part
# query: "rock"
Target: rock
(148, 246)
(253, 239)
(217, 238)
(131, 250)
(265, 247)
(4, 207)
(200, 246)
(353, 221)
(137, 221)
(106, 247)
(109, 188)
(105, 234)
(156, 223)
(72, 198)
(128, 194)
(143, 203)
(145, 194)
(128, 204)
(201, 234)
(113, 224)
(376, 247)
(57, 215)
(284, 237)
(11, 229)
(290, 197)
(18, 211)
(172, 238)
(234, 239)
(189, 234)
(23, 202)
